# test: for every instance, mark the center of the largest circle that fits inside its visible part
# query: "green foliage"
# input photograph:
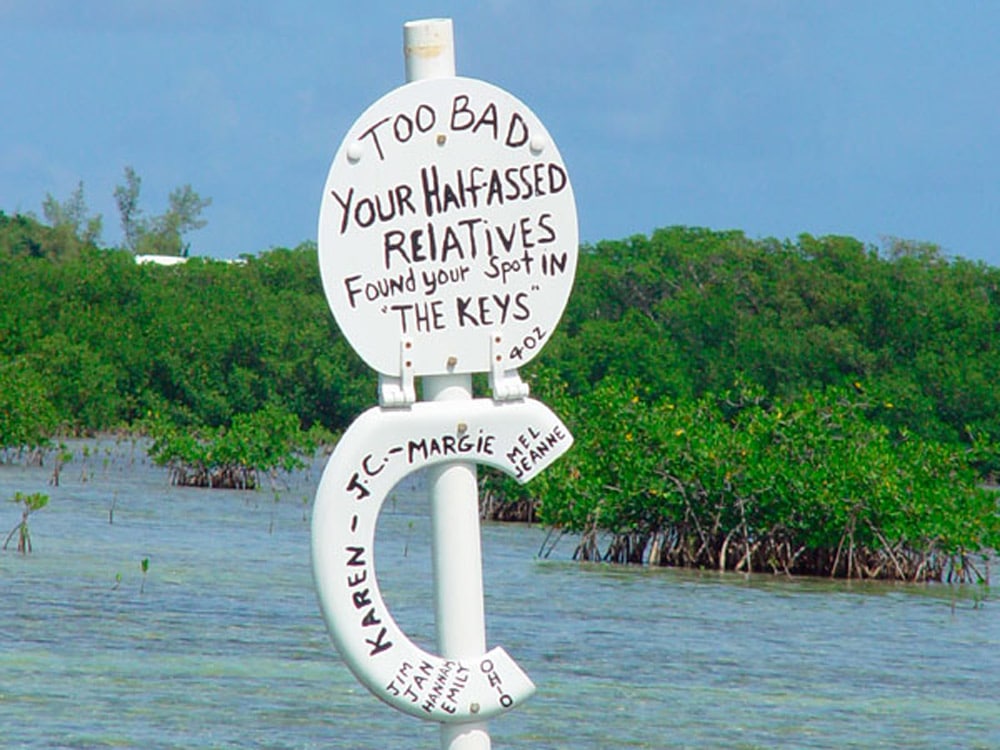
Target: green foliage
(91, 341)
(32, 503)
(23, 236)
(70, 219)
(105, 341)
(233, 457)
(27, 416)
(163, 234)
(127, 200)
(812, 484)
(686, 311)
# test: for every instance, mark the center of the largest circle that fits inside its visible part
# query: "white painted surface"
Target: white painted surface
(380, 448)
(447, 215)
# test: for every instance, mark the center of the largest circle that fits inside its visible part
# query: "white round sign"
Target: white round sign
(447, 225)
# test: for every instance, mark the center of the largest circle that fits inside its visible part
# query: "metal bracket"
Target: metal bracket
(506, 384)
(397, 392)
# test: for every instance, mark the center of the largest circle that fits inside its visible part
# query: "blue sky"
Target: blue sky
(869, 118)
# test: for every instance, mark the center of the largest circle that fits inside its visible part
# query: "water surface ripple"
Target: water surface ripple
(222, 644)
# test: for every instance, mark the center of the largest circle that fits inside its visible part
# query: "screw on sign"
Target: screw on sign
(447, 246)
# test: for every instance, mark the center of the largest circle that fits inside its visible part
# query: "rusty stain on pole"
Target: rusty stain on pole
(429, 49)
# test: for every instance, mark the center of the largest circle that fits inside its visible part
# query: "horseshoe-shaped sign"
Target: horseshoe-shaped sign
(381, 447)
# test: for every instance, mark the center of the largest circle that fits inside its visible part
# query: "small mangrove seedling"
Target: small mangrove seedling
(406, 540)
(31, 503)
(63, 456)
(144, 566)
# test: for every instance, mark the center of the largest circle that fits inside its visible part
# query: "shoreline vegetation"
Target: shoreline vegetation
(742, 483)
(806, 407)
(234, 456)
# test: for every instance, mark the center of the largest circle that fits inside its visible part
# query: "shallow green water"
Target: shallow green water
(223, 645)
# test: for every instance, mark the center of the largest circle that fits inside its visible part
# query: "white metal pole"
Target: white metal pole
(456, 546)
(429, 49)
